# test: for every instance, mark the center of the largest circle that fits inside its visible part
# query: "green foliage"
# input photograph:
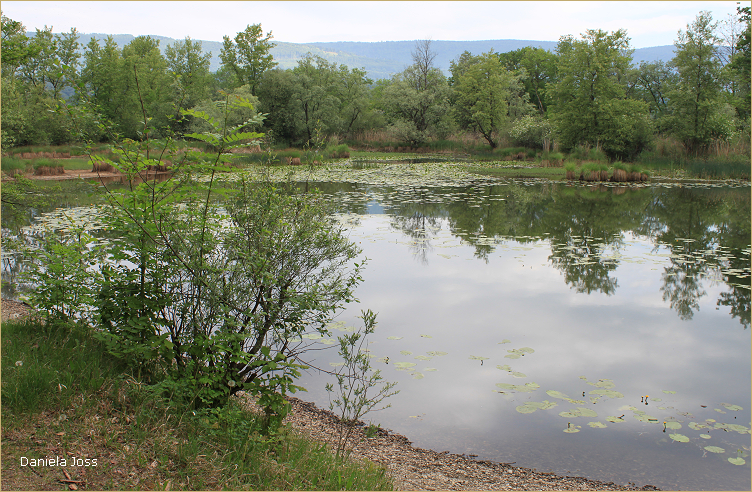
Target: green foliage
(62, 267)
(124, 85)
(487, 96)
(248, 56)
(699, 114)
(206, 283)
(537, 68)
(416, 101)
(355, 378)
(208, 114)
(532, 131)
(188, 69)
(589, 100)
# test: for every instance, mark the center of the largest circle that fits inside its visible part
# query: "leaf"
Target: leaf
(394, 338)
(679, 437)
(673, 425)
(736, 461)
(733, 408)
(405, 365)
(714, 449)
(597, 425)
(526, 408)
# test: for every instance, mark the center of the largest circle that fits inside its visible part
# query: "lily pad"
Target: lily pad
(436, 354)
(733, 408)
(405, 352)
(418, 375)
(572, 429)
(696, 426)
(422, 357)
(430, 369)
(519, 375)
(615, 420)
(558, 394)
(579, 412)
(505, 341)
(425, 336)
(505, 367)
(673, 425)
(405, 365)
(604, 383)
(512, 356)
(715, 449)
(394, 338)
(669, 392)
(705, 436)
(736, 461)
(477, 357)
(597, 425)
(526, 408)
(679, 437)
(607, 392)
(522, 388)
(738, 428)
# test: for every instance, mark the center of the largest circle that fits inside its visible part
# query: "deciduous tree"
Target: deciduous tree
(487, 96)
(699, 112)
(589, 104)
(248, 56)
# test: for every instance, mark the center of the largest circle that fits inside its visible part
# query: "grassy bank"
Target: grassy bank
(63, 397)
(666, 160)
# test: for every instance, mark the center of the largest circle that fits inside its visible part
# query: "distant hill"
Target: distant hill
(384, 58)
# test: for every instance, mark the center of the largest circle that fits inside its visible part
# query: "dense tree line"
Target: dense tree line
(587, 92)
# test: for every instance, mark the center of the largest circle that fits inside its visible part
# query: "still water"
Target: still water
(585, 300)
(553, 326)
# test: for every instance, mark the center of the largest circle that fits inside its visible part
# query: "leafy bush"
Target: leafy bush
(215, 295)
(532, 131)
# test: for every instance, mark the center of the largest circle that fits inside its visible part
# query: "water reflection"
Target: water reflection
(619, 283)
(706, 231)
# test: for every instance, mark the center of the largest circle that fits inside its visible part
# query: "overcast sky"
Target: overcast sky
(647, 23)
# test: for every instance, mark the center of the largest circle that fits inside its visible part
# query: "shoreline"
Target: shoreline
(415, 468)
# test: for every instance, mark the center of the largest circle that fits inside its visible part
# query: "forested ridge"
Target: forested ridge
(589, 90)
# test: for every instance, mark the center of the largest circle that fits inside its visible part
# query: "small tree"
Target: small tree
(360, 389)
(214, 284)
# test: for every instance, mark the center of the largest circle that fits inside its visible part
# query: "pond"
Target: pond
(596, 331)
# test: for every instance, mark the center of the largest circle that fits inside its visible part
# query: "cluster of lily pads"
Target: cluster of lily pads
(602, 389)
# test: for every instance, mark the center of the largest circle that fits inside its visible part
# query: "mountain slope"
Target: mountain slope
(384, 58)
